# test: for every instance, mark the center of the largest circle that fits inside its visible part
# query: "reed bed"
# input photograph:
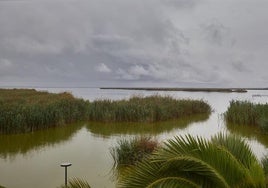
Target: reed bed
(24, 110)
(146, 109)
(27, 110)
(247, 113)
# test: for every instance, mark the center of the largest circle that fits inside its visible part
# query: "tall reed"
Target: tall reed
(247, 113)
(145, 109)
(27, 110)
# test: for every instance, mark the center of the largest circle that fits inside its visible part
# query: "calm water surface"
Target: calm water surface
(33, 160)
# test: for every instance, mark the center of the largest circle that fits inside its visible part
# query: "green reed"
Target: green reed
(145, 109)
(27, 110)
(23, 110)
(247, 113)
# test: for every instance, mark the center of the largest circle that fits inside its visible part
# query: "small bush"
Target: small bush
(129, 152)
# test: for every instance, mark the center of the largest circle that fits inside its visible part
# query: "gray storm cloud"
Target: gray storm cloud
(119, 42)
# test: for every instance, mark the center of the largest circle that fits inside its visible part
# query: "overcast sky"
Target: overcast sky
(167, 43)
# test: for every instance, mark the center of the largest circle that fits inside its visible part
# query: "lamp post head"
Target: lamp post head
(65, 164)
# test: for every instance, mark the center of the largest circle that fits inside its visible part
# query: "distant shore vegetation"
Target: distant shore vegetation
(28, 110)
(246, 113)
(224, 90)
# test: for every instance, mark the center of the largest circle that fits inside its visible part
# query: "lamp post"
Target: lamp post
(65, 165)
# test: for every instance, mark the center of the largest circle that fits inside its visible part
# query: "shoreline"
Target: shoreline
(226, 90)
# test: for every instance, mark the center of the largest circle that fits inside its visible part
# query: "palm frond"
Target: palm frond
(76, 183)
(140, 175)
(173, 182)
(224, 161)
(237, 147)
(195, 169)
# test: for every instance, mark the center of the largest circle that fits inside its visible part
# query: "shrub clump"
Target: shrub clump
(129, 152)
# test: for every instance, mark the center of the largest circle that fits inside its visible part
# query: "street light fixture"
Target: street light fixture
(66, 165)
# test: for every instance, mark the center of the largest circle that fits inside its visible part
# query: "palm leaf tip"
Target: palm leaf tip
(76, 183)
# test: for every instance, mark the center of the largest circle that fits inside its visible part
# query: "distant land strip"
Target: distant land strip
(239, 90)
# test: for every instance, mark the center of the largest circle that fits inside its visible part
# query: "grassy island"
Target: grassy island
(27, 110)
(145, 109)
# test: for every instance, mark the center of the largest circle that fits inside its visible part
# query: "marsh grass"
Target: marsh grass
(28, 110)
(129, 152)
(145, 109)
(247, 113)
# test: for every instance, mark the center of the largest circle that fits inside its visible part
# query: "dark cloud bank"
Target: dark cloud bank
(201, 43)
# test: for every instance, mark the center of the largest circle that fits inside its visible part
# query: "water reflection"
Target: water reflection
(112, 129)
(11, 145)
(250, 132)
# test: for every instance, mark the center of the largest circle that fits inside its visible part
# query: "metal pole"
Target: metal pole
(65, 176)
(66, 165)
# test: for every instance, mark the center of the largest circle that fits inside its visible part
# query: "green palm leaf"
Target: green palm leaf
(76, 183)
(173, 182)
(225, 161)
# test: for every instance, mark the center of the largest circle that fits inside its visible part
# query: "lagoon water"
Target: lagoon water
(33, 160)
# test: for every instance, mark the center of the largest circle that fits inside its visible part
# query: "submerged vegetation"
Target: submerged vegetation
(27, 110)
(247, 113)
(223, 161)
